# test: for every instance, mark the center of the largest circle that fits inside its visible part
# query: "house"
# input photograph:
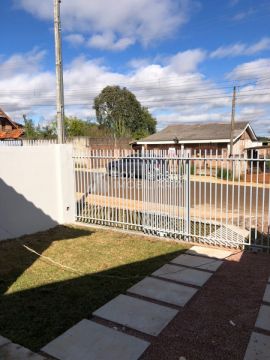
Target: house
(201, 138)
(9, 129)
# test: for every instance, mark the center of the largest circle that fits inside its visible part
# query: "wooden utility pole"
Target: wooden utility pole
(59, 74)
(232, 119)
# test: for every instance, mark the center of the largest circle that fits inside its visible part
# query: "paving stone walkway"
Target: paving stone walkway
(259, 343)
(148, 307)
(11, 351)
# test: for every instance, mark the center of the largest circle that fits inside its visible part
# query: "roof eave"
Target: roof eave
(182, 142)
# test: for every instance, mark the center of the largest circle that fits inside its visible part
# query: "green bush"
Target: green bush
(224, 174)
(267, 165)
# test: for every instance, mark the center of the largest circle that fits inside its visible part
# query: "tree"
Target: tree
(30, 130)
(47, 131)
(118, 110)
(75, 126)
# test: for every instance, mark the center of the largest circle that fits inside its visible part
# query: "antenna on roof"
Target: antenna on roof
(232, 119)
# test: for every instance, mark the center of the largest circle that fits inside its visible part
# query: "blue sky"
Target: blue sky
(180, 57)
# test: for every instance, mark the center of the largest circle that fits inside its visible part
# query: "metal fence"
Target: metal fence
(196, 197)
(24, 142)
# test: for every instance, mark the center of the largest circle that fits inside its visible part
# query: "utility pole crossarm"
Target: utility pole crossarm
(59, 74)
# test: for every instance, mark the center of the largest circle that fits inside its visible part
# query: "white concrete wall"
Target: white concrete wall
(36, 189)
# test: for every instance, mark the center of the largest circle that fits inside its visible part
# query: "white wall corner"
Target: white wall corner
(66, 184)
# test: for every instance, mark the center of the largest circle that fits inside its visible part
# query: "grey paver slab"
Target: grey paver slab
(183, 274)
(266, 296)
(137, 314)
(88, 340)
(209, 252)
(258, 347)
(12, 351)
(198, 262)
(4, 341)
(263, 319)
(162, 290)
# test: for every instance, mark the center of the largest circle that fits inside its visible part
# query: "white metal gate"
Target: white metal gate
(195, 197)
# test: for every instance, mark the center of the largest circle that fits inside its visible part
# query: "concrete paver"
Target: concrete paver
(137, 314)
(258, 347)
(162, 290)
(263, 319)
(3, 341)
(12, 351)
(266, 296)
(209, 252)
(183, 274)
(198, 262)
(88, 340)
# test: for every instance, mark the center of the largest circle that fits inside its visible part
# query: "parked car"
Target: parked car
(137, 167)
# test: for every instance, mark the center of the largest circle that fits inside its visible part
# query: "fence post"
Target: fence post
(187, 196)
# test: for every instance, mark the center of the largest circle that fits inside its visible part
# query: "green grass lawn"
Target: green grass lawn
(40, 300)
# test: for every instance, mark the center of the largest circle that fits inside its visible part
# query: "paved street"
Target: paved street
(224, 197)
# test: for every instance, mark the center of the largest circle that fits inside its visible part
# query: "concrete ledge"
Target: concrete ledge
(263, 319)
(183, 274)
(162, 290)
(88, 340)
(197, 262)
(266, 297)
(3, 341)
(209, 252)
(137, 314)
(11, 351)
(258, 347)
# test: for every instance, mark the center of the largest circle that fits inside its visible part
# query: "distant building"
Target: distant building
(201, 138)
(259, 151)
(9, 129)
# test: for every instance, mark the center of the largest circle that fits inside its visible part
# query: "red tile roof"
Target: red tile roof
(17, 129)
(12, 134)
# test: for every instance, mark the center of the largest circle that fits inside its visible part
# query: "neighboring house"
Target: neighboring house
(259, 151)
(9, 129)
(201, 139)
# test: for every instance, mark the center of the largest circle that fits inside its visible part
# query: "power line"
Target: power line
(158, 93)
(154, 92)
(190, 80)
(166, 102)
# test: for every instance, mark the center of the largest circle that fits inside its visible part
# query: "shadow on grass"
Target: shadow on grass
(36, 316)
(18, 259)
(19, 215)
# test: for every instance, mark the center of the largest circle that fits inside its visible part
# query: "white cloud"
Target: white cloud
(263, 44)
(176, 118)
(187, 61)
(253, 99)
(108, 41)
(241, 49)
(18, 63)
(234, 2)
(174, 93)
(243, 15)
(127, 20)
(255, 70)
(138, 63)
(75, 39)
